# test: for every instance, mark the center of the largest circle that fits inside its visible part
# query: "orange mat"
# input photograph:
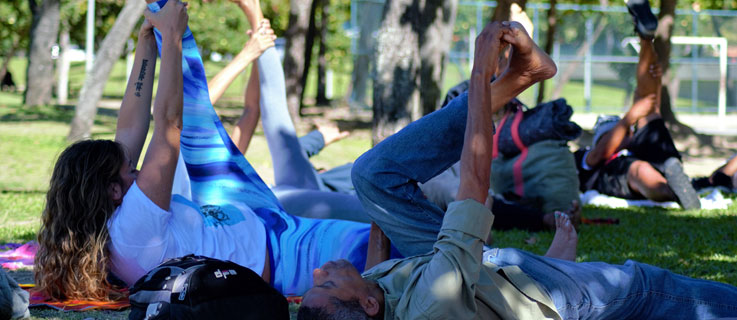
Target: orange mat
(39, 300)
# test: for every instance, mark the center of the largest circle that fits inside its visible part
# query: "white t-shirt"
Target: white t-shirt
(142, 235)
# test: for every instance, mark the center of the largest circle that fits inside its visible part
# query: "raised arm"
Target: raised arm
(261, 39)
(135, 111)
(456, 262)
(615, 140)
(157, 171)
(247, 123)
(478, 139)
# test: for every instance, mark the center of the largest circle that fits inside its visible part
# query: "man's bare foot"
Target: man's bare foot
(565, 240)
(528, 62)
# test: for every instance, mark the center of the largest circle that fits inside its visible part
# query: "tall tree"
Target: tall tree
(368, 21)
(322, 61)
(44, 30)
(94, 82)
(502, 10)
(412, 46)
(666, 20)
(300, 35)
(434, 47)
(549, 42)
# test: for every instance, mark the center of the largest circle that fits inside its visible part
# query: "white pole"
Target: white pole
(129, 57)
(722, 81)
(471, 46)
(329, 84)
(90, 44)
(62, 87)
(587, 64)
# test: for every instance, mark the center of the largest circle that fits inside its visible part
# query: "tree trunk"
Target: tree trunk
(297, 52)
(8, 56)
(549, 42)
(565, 76)
(439, 18)
(368, 21)
(502, 10)
(322, 62)
(40, 72)
(412, 46)
(110, 50)
(666, 20)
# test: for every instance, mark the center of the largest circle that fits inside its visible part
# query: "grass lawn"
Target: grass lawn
(699, 244)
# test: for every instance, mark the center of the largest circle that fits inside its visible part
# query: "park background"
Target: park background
(372, 66)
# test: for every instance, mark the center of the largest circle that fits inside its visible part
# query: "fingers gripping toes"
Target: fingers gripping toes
(171, 19)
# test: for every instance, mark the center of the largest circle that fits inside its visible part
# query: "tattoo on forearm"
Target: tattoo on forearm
(141, 75)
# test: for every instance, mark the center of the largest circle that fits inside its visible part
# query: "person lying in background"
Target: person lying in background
(724, 176)
(643, 164)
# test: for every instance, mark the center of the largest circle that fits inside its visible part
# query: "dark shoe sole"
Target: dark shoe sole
(645, 21)
(680, 184)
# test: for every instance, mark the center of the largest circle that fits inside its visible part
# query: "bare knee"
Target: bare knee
(643, 178)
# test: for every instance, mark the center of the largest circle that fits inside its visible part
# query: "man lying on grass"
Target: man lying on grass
(459, 279)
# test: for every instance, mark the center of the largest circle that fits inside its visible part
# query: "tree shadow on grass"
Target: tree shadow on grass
(697, 245)
(53, 113)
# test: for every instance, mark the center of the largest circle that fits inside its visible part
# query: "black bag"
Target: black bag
(196, 287)
(548, 121)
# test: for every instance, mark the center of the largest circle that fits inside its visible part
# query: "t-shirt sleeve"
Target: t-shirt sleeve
(138, 222)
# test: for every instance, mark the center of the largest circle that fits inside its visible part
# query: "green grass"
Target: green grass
(695, 243)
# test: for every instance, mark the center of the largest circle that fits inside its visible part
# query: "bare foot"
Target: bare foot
(528, 62)
(574, 214)
(565, 240)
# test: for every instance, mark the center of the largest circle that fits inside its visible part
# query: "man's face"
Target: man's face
(335, 279)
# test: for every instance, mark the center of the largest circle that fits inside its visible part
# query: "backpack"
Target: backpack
(536, 168)
(197, 287)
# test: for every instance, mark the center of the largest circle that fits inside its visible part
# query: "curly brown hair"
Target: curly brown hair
(72, 258)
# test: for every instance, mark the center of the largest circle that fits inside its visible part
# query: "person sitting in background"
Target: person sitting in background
(643, 164)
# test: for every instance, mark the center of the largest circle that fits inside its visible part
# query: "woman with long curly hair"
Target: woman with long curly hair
(74, 234)
(90, 178)
(195, 192)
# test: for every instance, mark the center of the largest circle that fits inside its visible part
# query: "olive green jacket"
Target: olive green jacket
(452, 282)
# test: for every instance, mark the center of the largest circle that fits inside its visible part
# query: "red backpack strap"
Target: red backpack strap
(495, 148)
(519, 183)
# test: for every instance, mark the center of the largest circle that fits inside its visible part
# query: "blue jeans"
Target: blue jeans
(386, 176)
(297, 184)
(386, 179)
(597, 290)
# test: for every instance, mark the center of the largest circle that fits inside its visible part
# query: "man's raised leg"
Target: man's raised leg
(386, 176)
